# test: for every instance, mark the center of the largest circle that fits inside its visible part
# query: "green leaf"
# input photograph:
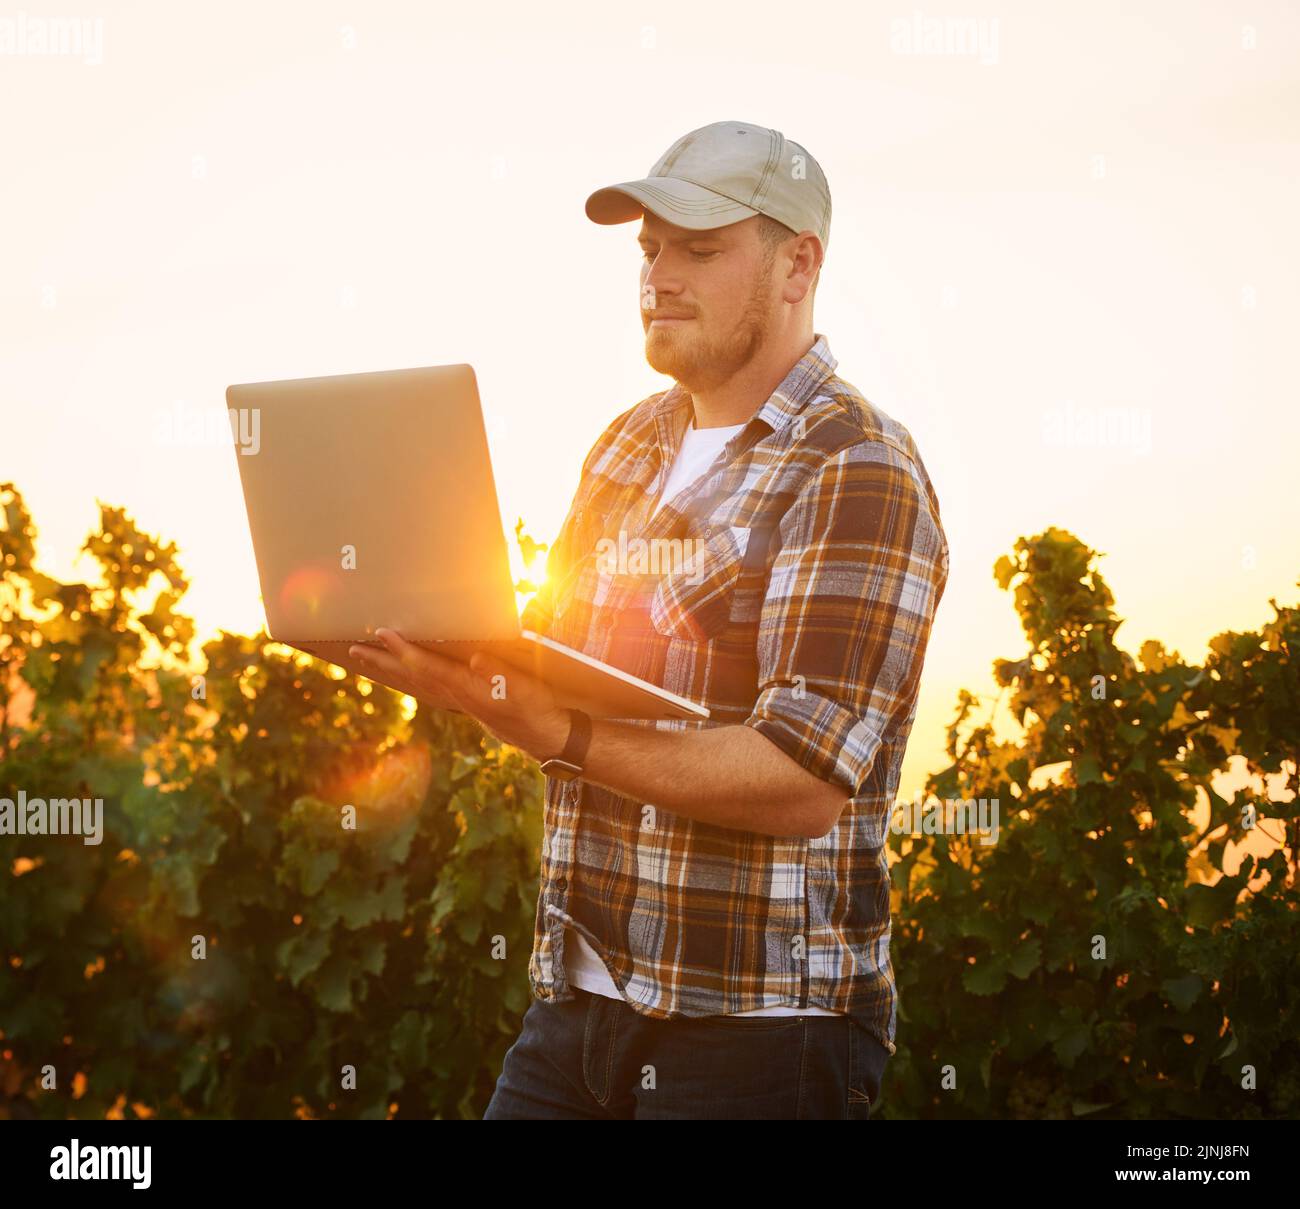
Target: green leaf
(468, 927)
(1026, 957)
(333, 984)
(371, 955)
(357, 907)
(302, 953)
(312, 869)
(1071, 1043)
(1182, 992)
(1086, 770)
(986, 977)
(1206, 906)
(410, 1041)
(464, 765)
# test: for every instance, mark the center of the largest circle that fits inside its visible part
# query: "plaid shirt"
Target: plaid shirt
(819, 561)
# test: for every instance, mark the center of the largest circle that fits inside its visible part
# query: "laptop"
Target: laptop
(371, 503)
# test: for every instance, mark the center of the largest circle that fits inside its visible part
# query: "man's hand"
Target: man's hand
(731, 776)
(515, 707)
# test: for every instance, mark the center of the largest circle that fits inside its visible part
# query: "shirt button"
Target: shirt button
(561, 882)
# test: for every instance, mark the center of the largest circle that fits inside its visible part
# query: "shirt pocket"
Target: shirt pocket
(692, 601)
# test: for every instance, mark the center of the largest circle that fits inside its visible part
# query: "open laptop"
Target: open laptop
(371, 503)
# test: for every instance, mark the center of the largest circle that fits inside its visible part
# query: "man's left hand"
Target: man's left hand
(517, 708)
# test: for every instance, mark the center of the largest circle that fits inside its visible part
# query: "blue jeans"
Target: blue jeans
(594, 1058)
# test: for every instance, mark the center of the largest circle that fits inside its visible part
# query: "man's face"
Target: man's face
(707, 299)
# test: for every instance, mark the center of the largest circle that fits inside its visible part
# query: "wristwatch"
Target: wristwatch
(568, 764)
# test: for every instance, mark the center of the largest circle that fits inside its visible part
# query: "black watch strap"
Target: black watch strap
(569, 763)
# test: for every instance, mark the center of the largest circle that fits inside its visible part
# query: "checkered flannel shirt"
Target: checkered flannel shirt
(819, 561)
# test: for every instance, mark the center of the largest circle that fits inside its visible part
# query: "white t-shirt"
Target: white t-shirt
(699, 447)
(582, 963)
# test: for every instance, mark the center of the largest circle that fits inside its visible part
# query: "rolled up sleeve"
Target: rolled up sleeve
(846, 618)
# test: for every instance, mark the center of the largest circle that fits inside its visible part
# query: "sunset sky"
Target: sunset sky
(1091, 218)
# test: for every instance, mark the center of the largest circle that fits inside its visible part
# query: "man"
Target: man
(712, 936)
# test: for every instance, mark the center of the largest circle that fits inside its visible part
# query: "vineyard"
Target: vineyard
(308, 901)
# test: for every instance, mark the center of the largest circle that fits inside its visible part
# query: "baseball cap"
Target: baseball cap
(721, 174)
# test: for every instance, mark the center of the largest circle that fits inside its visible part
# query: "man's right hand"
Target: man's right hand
(398, 683)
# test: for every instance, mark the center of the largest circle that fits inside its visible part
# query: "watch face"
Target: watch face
(561, 770)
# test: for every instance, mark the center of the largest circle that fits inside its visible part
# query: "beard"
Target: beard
(698, 361)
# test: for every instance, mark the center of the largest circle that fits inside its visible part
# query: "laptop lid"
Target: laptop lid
(371, 503)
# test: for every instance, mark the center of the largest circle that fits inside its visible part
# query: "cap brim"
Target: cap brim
(682, 203)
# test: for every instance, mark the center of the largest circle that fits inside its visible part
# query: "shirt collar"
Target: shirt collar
(796, 391)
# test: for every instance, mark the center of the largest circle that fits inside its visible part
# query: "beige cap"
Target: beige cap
(721, 174)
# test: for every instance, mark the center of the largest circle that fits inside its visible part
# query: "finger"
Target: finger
(389, 679)
(385, 668)
(506, 682)
(419, 660)
(377, 660)
(490, 677)
(484, 666)
(368, 660)
(421, 664)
